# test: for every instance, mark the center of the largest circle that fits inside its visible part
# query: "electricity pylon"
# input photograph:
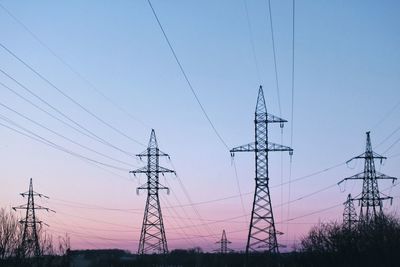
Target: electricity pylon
(152, 237)
(224, 244)
(29, 246)
(370, 199)
(262, 232)
(349, 213)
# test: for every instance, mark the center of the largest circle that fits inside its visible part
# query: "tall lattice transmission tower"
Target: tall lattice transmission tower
(223, 249)
(30, 246)
(152, 237)
(349, 213)
(370, 199)
(262, 232)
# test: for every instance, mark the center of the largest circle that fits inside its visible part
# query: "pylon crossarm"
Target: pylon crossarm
(251, 147)
(371, 198)
(147, 154)
(29, 222)
(37, 207)
(35, 194)
(146, 186)
(165, 170)
(21, 207)
(361, 176)
(367, 155)
(384, 176)
(146, 170)
(274, 119)
(277, 147)
(39, 195)
(358, 176)
(140, 170)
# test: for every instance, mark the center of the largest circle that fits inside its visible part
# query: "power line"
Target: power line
(274, 54)
(190, 87)
(77, 233)
(186, 77)
(178, 224)
(96, 220)
(69, 97)
(387, 115)
(251, 37)
(136, 211)
(242, 230)
(310, 175)
(40, 139)
(187, 195)
(217, 199)
(88, 133)
(198, 203)
(171, 207)
(328, 208)
(239, 189)
(306, 195)
(187, 237)
(311, 213)
(388, 137)
(72, 69)
(391, 146)
(292, 108)
(93, 236)
(63, 136)
(240, 216)
(394, 156)
(293, 68)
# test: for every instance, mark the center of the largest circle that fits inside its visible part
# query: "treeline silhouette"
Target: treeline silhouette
(375, 242)
(366, 243)
(54, 250)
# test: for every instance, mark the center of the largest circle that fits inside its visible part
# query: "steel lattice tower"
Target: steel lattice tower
(224, 244)
(262, 232)
(349, 213)
(152, 237)
(29, 246)
(370, 199)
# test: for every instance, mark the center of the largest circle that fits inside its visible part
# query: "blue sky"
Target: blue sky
(346, 82)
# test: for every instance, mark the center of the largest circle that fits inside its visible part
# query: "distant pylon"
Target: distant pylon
(262, 232)
(370, 199)
(30, 246)
(224, 244)
(349, 213)
(152, 237)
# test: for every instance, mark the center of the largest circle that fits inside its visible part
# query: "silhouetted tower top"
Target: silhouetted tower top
(349, 213)
(152, 237)
(224, 244)
(29, 246)
(261, 107)
(370, 199)
(262, 232)
(153, 141)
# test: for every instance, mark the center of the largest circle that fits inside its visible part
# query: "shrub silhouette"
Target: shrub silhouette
(368, 243)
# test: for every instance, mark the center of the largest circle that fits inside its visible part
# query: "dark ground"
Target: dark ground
(184, 258)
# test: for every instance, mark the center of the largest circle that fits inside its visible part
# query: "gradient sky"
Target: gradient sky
(346, 82)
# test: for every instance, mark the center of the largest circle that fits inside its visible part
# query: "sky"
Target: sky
(112, 59)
